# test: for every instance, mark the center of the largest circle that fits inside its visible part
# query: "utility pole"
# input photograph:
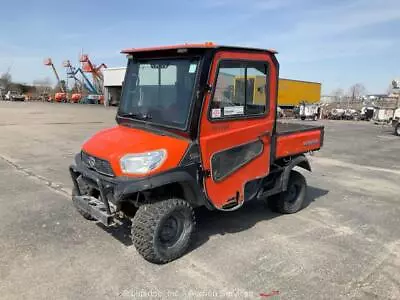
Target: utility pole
(396, 90)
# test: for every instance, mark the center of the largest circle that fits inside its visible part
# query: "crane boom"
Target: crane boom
(72, 72)
(88, 85)
(49, 62)
(89, 67)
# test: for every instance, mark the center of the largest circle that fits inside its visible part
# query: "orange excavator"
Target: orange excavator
(62, 95)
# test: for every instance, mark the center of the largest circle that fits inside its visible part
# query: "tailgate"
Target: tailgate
(297, 142)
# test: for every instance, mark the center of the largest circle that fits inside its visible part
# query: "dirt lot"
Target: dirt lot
(346, 244)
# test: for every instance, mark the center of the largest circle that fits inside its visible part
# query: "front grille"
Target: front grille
(99, 165)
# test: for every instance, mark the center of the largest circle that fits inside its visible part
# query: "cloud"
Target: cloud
(334, 31)
(334, 50)
(347, 17)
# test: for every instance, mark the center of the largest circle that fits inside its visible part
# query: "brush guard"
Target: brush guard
(98, 208)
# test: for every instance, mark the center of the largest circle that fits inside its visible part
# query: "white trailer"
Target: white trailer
(396, 122)
(383, 115)
(308, 111)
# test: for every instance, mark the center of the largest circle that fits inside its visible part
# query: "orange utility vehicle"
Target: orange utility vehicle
(189, 136)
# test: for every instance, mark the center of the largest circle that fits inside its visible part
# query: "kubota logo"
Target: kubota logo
(311, 142)
(91, 162)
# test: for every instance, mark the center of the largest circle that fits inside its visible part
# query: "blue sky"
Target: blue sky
(336, 42)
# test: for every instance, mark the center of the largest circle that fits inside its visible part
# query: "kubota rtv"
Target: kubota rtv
(190, 134)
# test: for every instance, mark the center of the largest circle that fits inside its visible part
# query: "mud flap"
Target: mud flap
(300, 161)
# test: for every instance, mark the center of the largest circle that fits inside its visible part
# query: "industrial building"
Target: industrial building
(113, 79)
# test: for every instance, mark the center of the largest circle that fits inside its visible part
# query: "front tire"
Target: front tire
(162, 231)
(293, 199)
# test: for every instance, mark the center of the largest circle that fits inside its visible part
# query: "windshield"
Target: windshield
(159, 90)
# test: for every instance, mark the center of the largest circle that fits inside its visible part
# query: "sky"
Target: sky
(335, 42)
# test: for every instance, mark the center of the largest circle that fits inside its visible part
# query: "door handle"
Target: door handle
(264, 134)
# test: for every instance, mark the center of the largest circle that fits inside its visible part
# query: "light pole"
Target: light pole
(396, 90)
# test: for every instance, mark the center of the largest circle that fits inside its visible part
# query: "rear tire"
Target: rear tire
(397, 129)
(302, 118)
(293, 199)
(162, 231)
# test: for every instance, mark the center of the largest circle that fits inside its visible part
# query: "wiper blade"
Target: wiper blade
(143, 116)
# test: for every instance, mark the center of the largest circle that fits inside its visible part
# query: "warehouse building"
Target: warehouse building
(113, 79)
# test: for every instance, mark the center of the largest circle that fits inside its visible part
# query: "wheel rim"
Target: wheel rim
(398, 129)
(292, 193)
(171, 230)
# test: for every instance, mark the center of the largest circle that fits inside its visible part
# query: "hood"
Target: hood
(113, 143)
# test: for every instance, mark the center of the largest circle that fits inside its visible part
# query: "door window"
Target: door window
(228, 161)
(240, 90)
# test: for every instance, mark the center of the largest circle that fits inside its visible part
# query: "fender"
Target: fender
(185, 177)
(299, 161)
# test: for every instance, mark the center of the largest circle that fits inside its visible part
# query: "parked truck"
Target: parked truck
(184, 140)
(291, 92)
(14, 96)
(383, 115)
(396, 122)
(294, 92)
(308, 111)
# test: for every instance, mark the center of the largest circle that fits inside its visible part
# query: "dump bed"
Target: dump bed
(295, 138)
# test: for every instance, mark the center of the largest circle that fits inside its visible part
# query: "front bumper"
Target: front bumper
(111, 191)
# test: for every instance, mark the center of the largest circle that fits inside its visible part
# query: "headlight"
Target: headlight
(142, 163)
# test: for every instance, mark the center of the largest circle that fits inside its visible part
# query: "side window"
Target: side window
(240, 90)
(228, 161)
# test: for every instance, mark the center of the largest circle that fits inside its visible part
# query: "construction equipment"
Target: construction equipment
(185, 140)
(90, 92)
(59, 96)
(77, 96)
(97, 75)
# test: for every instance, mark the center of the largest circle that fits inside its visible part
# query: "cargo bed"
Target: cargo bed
(295, 138)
